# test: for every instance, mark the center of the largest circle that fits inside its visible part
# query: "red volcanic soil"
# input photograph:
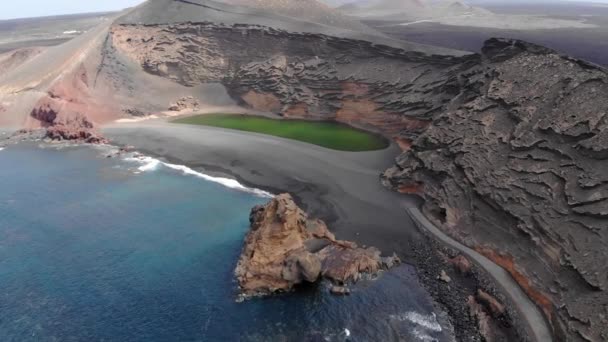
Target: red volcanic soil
(508, 263)
(13, 59)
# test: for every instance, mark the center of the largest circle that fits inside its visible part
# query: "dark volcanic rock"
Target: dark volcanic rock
(514, 167)
(285, 248)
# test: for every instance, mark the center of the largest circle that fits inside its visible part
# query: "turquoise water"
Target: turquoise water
(94, 249)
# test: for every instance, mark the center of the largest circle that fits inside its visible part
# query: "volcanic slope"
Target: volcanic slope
(514, 168)
(304, 16)
(69, 87)
(505, 146)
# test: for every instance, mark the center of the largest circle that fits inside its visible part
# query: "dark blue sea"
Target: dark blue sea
(108, 249)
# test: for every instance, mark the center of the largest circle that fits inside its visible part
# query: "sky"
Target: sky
(37, 8)
(10, 9)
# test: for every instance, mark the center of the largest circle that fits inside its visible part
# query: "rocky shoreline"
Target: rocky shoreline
(465, 296)
(451, 279)
(285, 248)
(430, 258)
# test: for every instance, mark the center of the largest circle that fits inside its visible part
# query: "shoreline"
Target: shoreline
(526, 310)
(321, 181)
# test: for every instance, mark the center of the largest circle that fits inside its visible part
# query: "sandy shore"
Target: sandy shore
(342, 188)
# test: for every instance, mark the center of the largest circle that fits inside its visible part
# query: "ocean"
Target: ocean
(133, 249)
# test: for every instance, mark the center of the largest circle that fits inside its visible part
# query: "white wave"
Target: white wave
(1, 148)
(148, 163)
(71, 32)
(426, 321)
(151, 164)
(424, 337)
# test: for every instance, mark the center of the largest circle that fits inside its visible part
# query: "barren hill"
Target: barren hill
(290, 15)
(309, 10)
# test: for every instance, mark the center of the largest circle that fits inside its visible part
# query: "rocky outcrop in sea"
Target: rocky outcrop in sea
(285, 248)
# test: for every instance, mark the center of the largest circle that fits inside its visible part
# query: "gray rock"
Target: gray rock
(339, 290)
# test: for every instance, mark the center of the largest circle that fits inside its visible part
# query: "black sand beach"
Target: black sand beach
(342, 188)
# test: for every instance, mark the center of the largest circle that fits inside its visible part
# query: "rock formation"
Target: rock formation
(285, 248)
(185, 103)
(512, 167)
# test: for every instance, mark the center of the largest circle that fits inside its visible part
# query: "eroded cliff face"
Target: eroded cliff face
(515, 168)
(300, 75)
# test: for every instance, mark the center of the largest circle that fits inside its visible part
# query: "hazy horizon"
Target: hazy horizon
(42, 8)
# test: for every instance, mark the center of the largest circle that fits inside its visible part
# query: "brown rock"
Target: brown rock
(484, 323)
(461, 264)
(184, 103)
(285, 248)
(492, 304)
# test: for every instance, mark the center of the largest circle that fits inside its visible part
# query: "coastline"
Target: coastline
(323, 182)
(534, 323)
(342, 188)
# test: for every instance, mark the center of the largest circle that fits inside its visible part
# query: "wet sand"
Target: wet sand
(342, 188)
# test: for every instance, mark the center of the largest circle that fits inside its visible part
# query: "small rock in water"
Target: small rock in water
(445, 277)
(390, 262)
(340, 290)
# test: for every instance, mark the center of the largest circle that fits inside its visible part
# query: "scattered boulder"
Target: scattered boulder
(492, 305)
(184, 103)
(461, 264)
(444, 277)
(285, 248)
(339, 290)
(134, 112)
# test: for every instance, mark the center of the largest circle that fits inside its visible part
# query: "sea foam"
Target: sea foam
(427, 321)
(148, 164)
(424, 324)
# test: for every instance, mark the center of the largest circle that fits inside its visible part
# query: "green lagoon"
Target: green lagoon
(326, 134)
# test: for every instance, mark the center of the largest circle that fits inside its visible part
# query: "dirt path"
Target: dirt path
(536, 324)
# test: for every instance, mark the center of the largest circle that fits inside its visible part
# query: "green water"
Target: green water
(326, 134)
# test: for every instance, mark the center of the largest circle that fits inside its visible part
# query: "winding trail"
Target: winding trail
(537, 326)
